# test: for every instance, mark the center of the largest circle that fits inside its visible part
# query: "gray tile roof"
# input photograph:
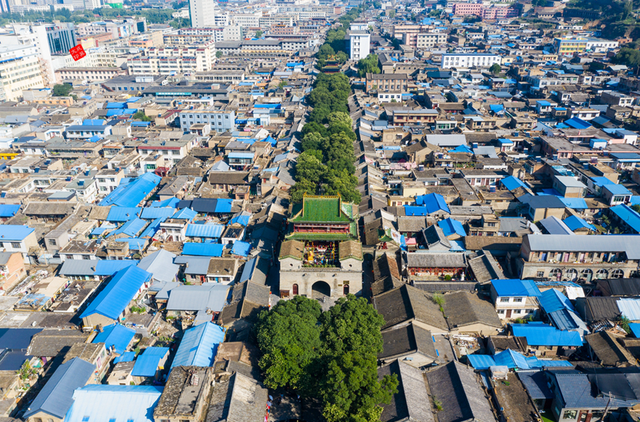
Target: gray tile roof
(456, 386)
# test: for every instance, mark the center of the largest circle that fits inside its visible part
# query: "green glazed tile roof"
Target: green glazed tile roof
(325, 209)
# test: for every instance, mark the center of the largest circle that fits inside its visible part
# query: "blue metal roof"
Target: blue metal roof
(135, 244)
(635, 329)
(574, 223)
(433, 201)
(515, 287)
(574, 203)
(628, 215)
(577, 123)
(8, 210)
(412, 210)
(481, 362)
(115, 335)
(55, 398)
(224, 205)
(543, 103)
(171, 203)
(17, 338)
(108, 267)
(130, 228)
(199, 345)
(629, 308)
(156, 212)
(202, 249)
(185, 214)
(133, 192)
(242, 219)
(617, 189)
(241, 248)
(567, 320)
(153, 227)
(213, 231)
(241, 155)
(148, 362)
(93, 122)
(462, 148)
(546, 335)
(553, 300)
(13, 360)
(122, 214)
(601, 181)
(119, 403)
(112, 105)
(14, 233)
(125, 357)
(511, 359)
(512, 183)
(115, 297)
(450, 226)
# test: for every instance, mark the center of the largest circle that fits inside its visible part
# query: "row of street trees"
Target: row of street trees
(326, 163)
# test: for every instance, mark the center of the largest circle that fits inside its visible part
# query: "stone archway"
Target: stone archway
(320, 290)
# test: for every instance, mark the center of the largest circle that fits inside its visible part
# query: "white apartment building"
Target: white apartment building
(430, 39)
(35, 35)
(178, 59)
(247, 20)
(469, 60)
(359, 45)
(202, 13)
(220, 121)
(20, 69)
(601, 46)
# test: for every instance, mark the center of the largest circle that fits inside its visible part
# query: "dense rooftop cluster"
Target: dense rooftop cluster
(320, 211)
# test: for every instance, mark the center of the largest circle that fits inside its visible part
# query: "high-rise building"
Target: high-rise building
(20, 69)
(34, 35)
(359, 45)
(202, 13)
(62, 37)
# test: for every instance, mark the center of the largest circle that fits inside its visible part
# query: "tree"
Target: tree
(302, 187)
(140, 115)
(495, 68)
(289, 337)
(340, 117)
(259, 33)
(310, 167)
(368, 65)
(314, 127)
(627, 9)
(636, 208)
(331, 356)
(349, 388)
(312, 141)
(62, 90)
(627, 56)
(391, 14)
(219, 54)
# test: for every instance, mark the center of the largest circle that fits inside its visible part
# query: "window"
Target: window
(517, 299)
(501, 311)
(504, 299)
(517, 311)
(52, 242)
(15, 245)
(540, 274)
(570, 414)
